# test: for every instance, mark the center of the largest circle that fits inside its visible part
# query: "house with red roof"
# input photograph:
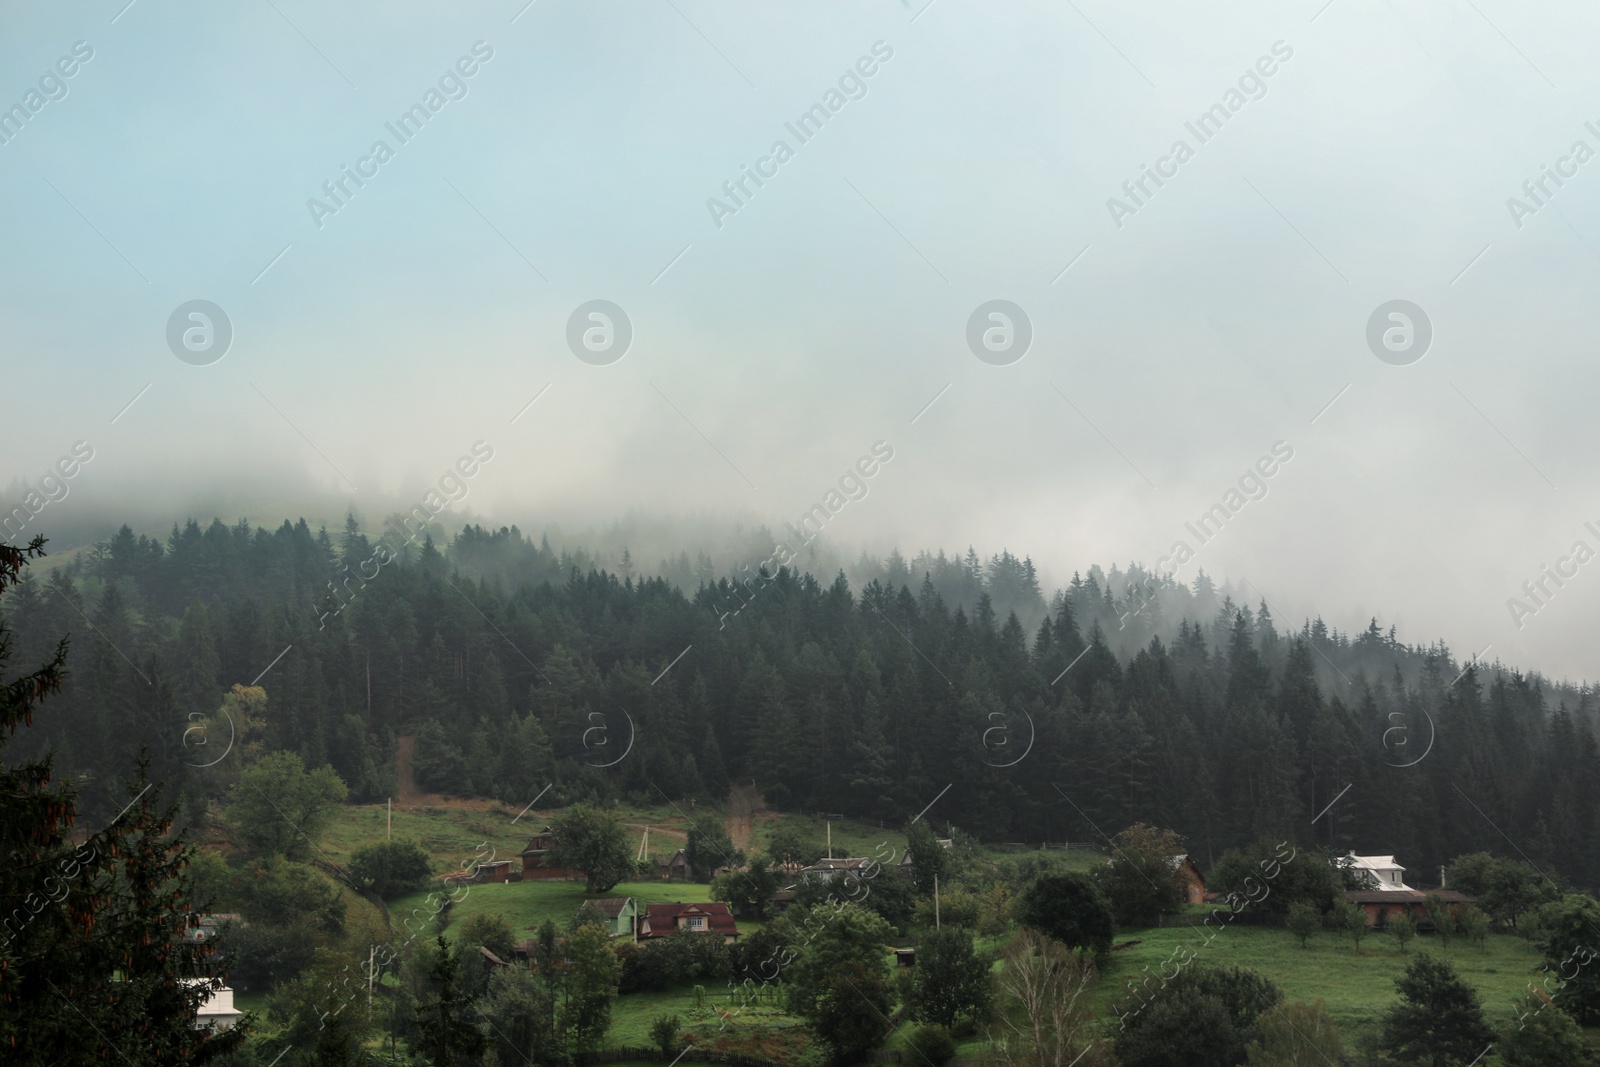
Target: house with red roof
(664, 920)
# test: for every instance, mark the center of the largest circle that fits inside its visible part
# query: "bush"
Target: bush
(1204, 1017)
(1295, 1034)
(668, 961)
(933, 1044)
(664, 1033)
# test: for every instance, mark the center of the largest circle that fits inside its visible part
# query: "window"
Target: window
(696, 922)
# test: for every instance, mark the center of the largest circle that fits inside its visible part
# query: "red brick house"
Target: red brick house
(664, 920)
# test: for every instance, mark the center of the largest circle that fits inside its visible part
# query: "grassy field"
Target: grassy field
(527, 904)
(1357, 989)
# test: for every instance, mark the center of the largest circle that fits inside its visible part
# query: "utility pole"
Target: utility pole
(830, 840)
(936, 902)
(389, 833)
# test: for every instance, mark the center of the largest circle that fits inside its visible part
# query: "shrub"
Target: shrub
(1475, 926)
(669, 961)
(933, 1044)
(1204, 1017)
(664, 1033)
(1295, 1034)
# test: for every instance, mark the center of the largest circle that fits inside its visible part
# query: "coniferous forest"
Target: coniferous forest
(1049, 714)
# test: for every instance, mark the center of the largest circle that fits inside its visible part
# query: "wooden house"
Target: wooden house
(536, 859)
(621, 915)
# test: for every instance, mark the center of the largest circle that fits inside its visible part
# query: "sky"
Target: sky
(1180, 335)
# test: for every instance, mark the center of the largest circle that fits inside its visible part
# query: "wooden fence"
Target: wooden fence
(691, 1055)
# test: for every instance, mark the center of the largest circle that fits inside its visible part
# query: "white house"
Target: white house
(216, 1012)
(1381, 871)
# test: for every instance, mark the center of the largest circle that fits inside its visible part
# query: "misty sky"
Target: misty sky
(774, 345)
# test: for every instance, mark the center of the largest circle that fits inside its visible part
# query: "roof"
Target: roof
(1404, 896)
(531, 846)
(848, 863)
(612, 907)
(491, 957)
(1376, 868)
(662, 919)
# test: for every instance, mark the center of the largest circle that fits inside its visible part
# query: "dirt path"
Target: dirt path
(407, 795)
(405, 788)
(743, 803)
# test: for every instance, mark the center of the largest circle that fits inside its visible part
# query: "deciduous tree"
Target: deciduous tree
(591, 840)
(1070, 908)
(950, 981)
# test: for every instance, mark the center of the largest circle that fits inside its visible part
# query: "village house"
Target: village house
(1386, 895)
(1381, 872)
(216, 1012)
(664, 920)
(621, 915)
(536, 859)
(677, 868)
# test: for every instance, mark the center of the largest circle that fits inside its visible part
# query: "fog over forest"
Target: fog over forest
(547, 467)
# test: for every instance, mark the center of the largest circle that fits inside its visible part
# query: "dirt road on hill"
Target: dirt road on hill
(743, 803)
(404, 787)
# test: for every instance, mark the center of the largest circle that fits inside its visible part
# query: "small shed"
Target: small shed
(493, 871)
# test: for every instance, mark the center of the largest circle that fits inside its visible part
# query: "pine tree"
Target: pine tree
(446, 1037)
(94, 967)
(1438, 1020)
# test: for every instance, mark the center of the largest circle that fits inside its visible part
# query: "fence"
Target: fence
(691, 1054)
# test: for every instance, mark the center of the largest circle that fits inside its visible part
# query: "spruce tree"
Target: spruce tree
(94, 965)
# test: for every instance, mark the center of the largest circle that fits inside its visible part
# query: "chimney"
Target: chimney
(1441, 878)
